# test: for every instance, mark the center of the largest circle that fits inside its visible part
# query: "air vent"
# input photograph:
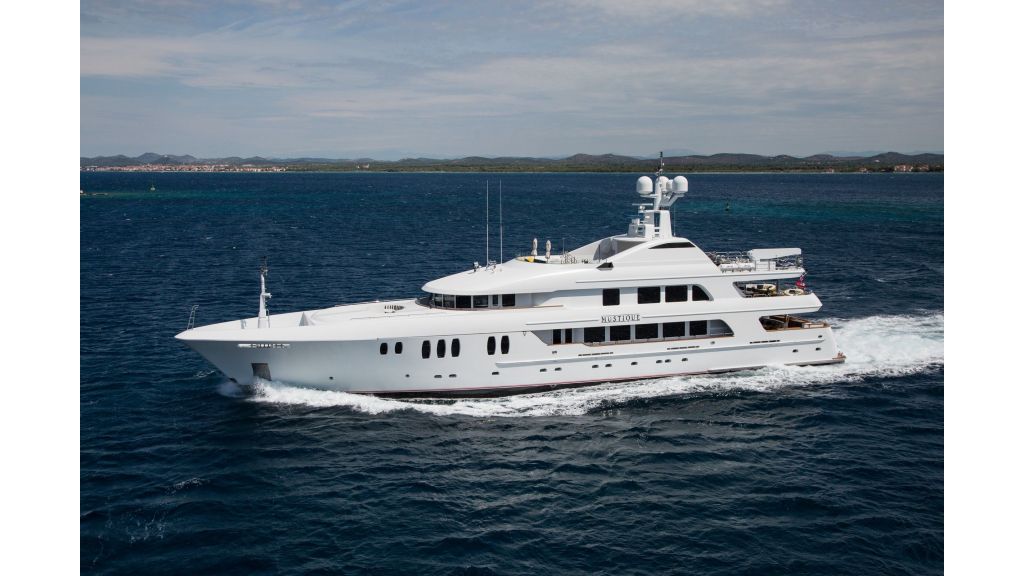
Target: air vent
(606, 266)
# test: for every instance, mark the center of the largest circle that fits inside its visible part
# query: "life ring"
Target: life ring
(793, 292)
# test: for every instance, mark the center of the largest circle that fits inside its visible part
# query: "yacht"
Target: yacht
(641, 305)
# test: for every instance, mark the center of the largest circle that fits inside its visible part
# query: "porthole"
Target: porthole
(794, 350)
(632, 363)
(398, 347)
(425, 349)
(559, 369)
(491, 346)
(383, 348)
(504, 344)
(456, 348)
(441, 348)
(543, 369)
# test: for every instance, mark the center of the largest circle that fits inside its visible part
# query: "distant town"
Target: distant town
(821, 163)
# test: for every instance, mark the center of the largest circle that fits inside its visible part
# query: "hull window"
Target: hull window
(619, 333)
(698, 327)
(491, 346)
(398, 347)
(568, 336)
(593, 334)
(673, 329)
(675, 293)
(456, 348)
(610, 296)
(504, 344)
(646, 331)
(383, 348)
(425, 349)
(556, 336)
(479, 301)
(463, 301)
(440, 349)
(648, 295)
(508, 300)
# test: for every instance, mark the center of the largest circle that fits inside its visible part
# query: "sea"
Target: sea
(784, 470)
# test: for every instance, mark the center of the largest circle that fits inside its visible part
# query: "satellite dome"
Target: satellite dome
(644, 185)
(662, 183)
(680, 185)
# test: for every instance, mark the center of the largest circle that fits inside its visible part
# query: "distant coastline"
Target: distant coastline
(887, 162)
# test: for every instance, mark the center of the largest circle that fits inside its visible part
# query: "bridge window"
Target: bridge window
(491, 345)
(398, 347)
(504, 344)
(593, 334)
(508, 300)
(463, 301)
(648, 295)
(646, 331)
(440, 348)
(383, 348)
(480, 301)
(675, 293)
(610, 296)
(700, 294)
(456, 348)
(673, 329)
(619, 333)
(449, 301)
(438, 300)
(425, 349)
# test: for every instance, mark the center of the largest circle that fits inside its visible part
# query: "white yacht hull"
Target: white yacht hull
(358, 366)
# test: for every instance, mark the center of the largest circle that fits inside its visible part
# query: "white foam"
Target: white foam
(874, 346)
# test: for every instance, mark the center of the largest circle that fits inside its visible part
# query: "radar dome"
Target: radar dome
(644, 185)
(663, 183)
(680, 185)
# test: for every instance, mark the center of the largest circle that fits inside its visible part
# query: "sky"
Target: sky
(393, 79)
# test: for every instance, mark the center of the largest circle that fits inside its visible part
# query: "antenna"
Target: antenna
(264, 314)
(501, 228)
(487, 226)
(661, 160)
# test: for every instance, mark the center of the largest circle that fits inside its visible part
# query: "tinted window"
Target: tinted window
(698, 327)
(595, 334)
(425, 350)
(456, 347)
(673, 329)
(674, 245)
(648, 294)
(568, 335)
(449, 301)
(491, 345)
(618, 333)
(675, 293)
(440, 349)
(508, 300)
(462, 301)
(494, 300)
(398, 347)
(383, 347)
(556, 336)
(645, 331)
(479, 301)
(610, 297)
(438, 300)
(700, 294)
(504, 344)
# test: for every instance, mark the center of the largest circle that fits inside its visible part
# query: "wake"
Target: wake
(886, 346)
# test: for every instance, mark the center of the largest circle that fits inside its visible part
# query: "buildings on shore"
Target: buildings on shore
(185, 168)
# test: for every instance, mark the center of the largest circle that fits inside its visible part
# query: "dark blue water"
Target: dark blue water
(834, 470)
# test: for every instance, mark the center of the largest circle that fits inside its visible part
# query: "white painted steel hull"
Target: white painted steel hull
(357, 366)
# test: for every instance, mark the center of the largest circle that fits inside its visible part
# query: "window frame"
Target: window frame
(611, 294)
(640, 299)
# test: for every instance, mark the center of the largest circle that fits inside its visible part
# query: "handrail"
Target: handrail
(192, 317)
